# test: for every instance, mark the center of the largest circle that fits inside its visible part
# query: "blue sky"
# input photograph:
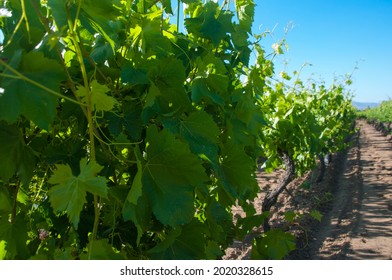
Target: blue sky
(333, 36)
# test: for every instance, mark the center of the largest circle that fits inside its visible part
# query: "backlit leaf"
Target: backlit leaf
(246, 11)
(99, 99)
(69, 192)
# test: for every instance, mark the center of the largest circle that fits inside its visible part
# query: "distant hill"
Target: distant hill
(364, 105)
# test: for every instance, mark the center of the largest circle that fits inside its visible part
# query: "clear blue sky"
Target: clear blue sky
(333, 36)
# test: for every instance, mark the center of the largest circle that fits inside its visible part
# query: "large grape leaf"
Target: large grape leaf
(22, 97)
(69, 192)
(201, 89)
(16, 156)
(168, 77)
(200, 131)
(237, 172)
(249, 113)
(13, 238)
(170, 174)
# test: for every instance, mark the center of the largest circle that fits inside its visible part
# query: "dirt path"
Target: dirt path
(359, 225)
(355, 198)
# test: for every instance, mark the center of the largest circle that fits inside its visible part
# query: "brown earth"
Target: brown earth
(355, 199)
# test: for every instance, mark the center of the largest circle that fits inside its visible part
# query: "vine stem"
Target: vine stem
(13, 214)
(178, 15)
(79, 54)
(20, 76)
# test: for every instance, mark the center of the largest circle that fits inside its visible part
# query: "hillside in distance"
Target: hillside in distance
(365, 105)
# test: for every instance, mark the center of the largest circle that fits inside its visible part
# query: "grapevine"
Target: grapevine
(380, 116)
(123, 136)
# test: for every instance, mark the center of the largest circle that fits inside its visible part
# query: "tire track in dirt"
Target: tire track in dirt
(359, 225)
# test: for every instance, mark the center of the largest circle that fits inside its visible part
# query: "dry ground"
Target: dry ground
(355, 199)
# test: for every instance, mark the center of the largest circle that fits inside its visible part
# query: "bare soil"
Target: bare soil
(355, 199)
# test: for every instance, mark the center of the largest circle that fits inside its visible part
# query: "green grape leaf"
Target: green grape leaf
(139, 214)
(248, 224)
(137, 185)
(201, 89)
(59, 12)
(108, 10)
(273, 245)
(290, 216)
(171, 173)
(316, 215)
(11, 149)
(69, 192)
(213, 251)
(5, 201)
(16, 156)
(185, 243)
(102, 52)
(21, 97)
(3, 251)
(99, 99)
(98, 16)
(168, 73)
(167, 91)
(237, 172)
(134, 76)
(220, 223)
(146, 34)
(167, 6)
(200, 131)
(211, 23)
(101, 250)
(246, 12)
(249, 113)
(13, 237)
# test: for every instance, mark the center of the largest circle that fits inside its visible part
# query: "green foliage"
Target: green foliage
(123, 138)
(23, 93)
(99, 100)
(381, 113)
(273, 245)
(17, 157)
(316, 215)
(305, 122)
(69, 192)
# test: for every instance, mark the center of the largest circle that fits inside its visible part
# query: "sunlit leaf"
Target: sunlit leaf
(69, 191)
(99, 99)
